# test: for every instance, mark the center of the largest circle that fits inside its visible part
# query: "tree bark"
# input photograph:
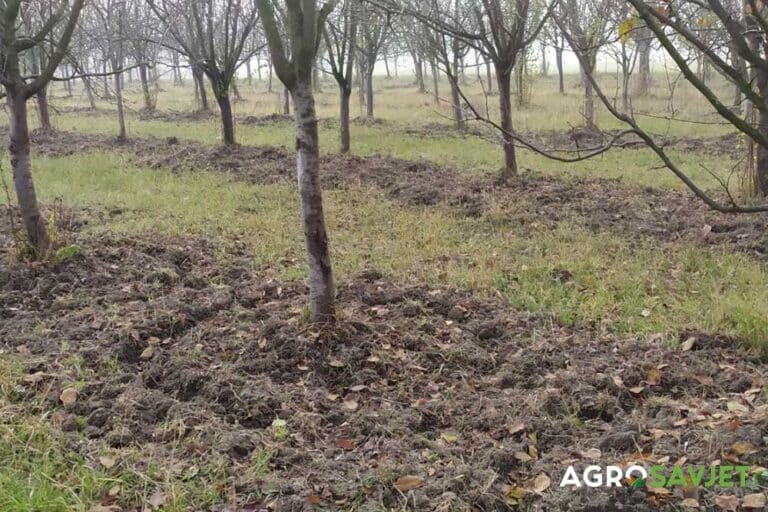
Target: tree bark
(504, 79)
(369, 91)
(149, 104)
(643, 38)
(589, 104)
(34, 224)
(286, 102)
(345, 94)
(43, 110)
(197, 75)
(120, 107)
(321, 287)
(419, 74)
(227, 122)
(435, 83)
(559, 64)
(89, 92)
(458, 113)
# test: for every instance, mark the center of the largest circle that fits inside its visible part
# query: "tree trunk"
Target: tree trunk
(105, 80)
(149, 103)
(321, 287)
(489, 76)
(248, 72)
(286, 102)
(34, 224)
(458, 113)
(419, 74)
(43, 110)
(369, 91)
(643, 63)
(200, 87)
(589, 104)
(120, 107)
(544, 61)
(89, 92)
(345, 94)
(177, 80)
(504, 84)
(269, 83)
(227, 122)
(559, 65)
(435, 83)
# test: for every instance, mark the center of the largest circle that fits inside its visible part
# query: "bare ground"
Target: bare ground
(188, 358)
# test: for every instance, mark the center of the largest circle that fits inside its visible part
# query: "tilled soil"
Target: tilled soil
(419, 398)
(599, 204)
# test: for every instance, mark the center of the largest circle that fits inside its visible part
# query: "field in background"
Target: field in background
(410, 125)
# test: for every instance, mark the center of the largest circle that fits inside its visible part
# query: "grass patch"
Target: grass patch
(580, 276)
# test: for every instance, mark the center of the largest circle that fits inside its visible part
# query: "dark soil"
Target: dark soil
(601, 205)
(473, 398)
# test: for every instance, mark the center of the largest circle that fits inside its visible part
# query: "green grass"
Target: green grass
(405, 111)
(683, 287)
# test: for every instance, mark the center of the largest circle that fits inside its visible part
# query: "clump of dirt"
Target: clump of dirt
(172, 116)
(266, 120)
(598, 204)
(419, 398)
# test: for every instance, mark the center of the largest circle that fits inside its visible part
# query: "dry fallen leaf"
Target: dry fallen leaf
(636, 390)
(688, 344)
(727, 503)
(523, 457)
(754, 501)
(408, 482)
(592, 453)
(107, 461)
(645, 313)
(516, 427)
(737, 407)
(157, 499)
(68, 396)
(34, 378)
(541, 483)
(743, 448)
(449, 437)
(653, 377)
(313, 499)
(345, 444)
(147, 353)
(690, 503)
(351, 405)
(336, 363)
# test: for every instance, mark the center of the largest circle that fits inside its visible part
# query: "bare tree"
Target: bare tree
(293, 56)
(501, 30)
(55, 29)
(213, 36)
(373, 32)
(747, 36)
(591, 27)
(110, 16)
(340, 37)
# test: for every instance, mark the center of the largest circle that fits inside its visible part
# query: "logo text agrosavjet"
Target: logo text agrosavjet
(657, 476)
